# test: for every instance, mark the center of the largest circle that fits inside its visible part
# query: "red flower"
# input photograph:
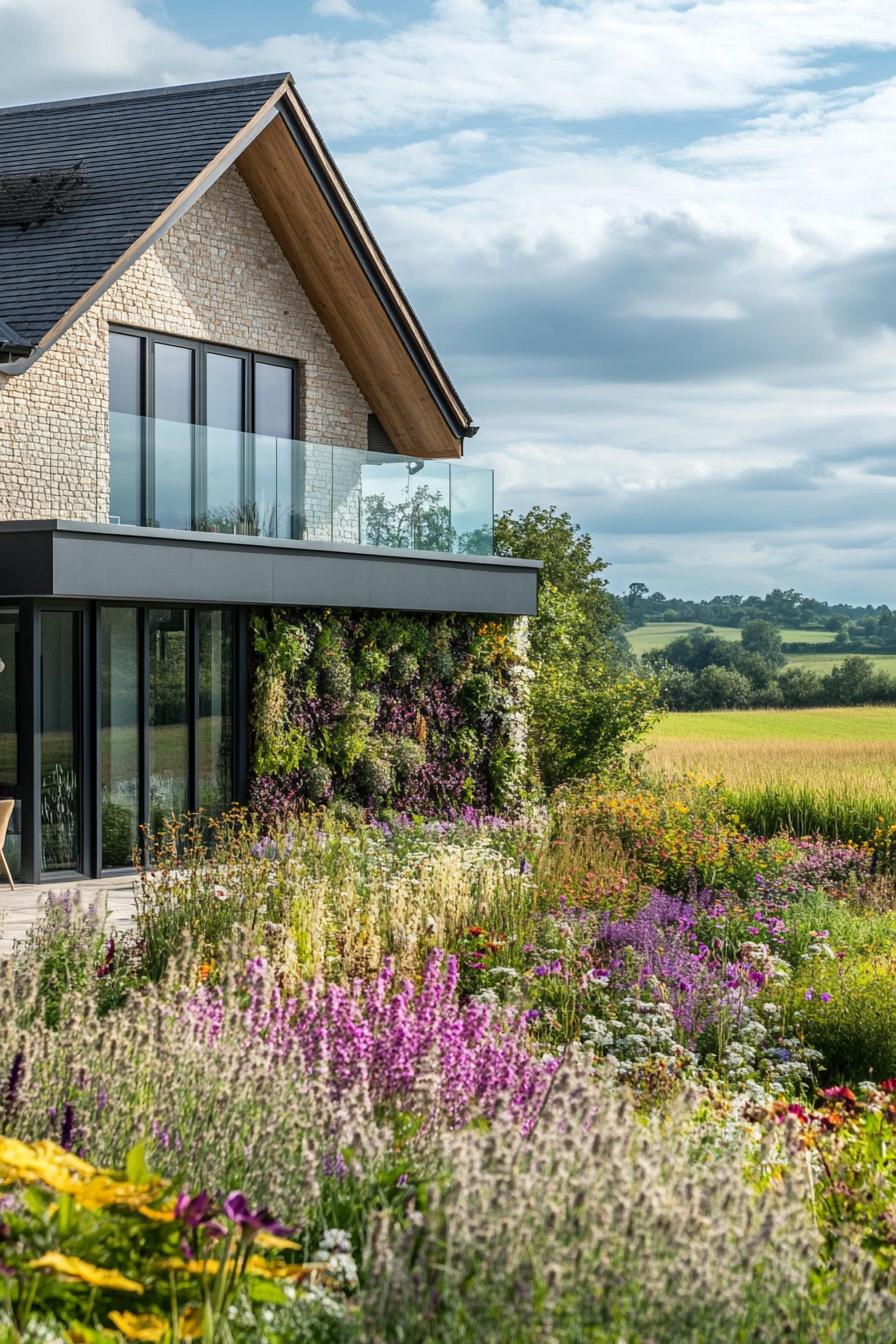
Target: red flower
(888, 1085)
(843, 1094)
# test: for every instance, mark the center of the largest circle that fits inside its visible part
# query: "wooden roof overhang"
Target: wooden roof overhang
(327, 242)
(331, 249)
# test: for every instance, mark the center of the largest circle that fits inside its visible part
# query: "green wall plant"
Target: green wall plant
(388, 712)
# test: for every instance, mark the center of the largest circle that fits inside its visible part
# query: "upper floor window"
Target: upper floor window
(202, 436)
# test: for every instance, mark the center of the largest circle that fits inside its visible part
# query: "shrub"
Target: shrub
(847, 1010)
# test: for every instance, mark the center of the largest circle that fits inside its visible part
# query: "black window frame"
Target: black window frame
(149, 339)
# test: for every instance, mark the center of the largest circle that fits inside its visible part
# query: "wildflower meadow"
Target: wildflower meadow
(617, 1069)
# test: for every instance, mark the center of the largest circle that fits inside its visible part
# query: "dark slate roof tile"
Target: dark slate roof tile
(137, 152)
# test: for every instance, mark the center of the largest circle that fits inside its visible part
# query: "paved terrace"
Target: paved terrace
(20, 908)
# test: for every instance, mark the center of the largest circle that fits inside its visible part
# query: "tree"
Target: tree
(765, 639)
(694, 651)
(721, 688)
(587, 703)
(586, 706)
(800, 687)
(565, 551)
(852, 682)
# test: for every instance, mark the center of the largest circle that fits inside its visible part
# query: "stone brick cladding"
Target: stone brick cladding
(216, 275)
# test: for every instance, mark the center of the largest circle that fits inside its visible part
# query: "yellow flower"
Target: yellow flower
(165, 1214)
(53, 1153)
(255, 1266)
(268, 1242)
(74, 1268)
(146, 1326)
(70, 1175)
(102, 1190)
(190, 1323)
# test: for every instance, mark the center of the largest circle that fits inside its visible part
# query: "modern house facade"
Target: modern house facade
(215, 401)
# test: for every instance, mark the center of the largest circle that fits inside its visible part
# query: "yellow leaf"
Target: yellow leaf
(146, 1326)
(74, 1268)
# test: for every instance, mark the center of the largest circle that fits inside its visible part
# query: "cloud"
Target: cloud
(344, 9)
(654, 240)
(336, 9)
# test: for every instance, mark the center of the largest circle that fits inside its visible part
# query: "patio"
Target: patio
(20, 908)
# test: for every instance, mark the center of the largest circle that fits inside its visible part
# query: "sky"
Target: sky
(654, 242)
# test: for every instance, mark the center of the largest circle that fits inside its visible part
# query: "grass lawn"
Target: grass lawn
(657, 634)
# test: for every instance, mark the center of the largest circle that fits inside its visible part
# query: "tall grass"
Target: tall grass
(841, 810)
(839, 789)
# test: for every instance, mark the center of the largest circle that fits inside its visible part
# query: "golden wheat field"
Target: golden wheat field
(824, 747)
(830, 771)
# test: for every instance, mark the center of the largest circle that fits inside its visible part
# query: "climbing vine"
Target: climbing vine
(386, 711)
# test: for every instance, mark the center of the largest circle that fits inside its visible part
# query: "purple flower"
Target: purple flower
(825, 998)
(236, 1208)
(67, 1133)
(389, 1033)
(193, 1210)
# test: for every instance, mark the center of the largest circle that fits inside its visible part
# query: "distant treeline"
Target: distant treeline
(855, 628)
(700, 670)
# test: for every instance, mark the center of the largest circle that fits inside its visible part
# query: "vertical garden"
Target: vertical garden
(387, 712)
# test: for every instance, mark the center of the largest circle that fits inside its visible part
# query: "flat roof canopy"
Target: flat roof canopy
(100, 561)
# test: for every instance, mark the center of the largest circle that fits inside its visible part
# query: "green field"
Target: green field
(823, 662)
(866, 724)
(657, 634)
(807, 771)
(819, 751)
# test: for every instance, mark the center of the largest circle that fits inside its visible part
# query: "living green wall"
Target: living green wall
(388, 712)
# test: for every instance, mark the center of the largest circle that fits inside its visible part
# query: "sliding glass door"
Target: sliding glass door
(169, 715)
(203, 436)
(113, 720)
(214, 723)
(120, 734)
(166, 720)
(60, 741)
(10, 783)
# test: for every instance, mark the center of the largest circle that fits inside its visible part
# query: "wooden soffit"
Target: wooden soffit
(336, 260)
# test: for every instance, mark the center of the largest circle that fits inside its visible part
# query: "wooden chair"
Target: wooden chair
(6, 810)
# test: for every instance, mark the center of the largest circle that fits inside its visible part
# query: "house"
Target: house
(216, 405)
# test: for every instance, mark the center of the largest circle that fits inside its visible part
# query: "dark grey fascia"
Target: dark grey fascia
(100, 561)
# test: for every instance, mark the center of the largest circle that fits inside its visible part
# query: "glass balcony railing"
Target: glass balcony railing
(199, 478)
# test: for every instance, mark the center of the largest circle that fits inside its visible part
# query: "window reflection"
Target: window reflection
(119, 734)
(60, 791)
(168, 715)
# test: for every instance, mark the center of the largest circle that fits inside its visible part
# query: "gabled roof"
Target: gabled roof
(87, 184)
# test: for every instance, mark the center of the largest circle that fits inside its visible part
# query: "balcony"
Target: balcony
(197, 478)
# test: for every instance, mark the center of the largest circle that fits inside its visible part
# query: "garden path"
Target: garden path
(20, 908)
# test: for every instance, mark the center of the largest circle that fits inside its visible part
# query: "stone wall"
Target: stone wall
(216, 275)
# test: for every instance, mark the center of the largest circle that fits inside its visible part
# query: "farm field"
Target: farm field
(829, 771)
(822, 662)
(657, 634)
